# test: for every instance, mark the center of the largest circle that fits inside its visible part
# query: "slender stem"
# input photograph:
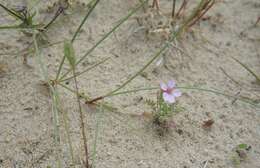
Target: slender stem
(184, 3)
(67, 126)
(59, 11)
(248, 69)
(193, 15)
(84, 20)
(56, 128)
(173, 8)
(12, 12)
(65, 119)
(246, 100)
(109, 108)
(174, 35)
(20, 27)
(139, 72)
(106, 36)
(156, 4)
(73, 91)
(202, 13)
(81, 121)
(86, 70)
(75, 35)
(133, 91)
(94, 154)
(60, 67)
(54, 101)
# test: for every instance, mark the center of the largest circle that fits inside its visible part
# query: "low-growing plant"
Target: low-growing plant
(165, 106)
(181, 15)
(240, 153)
(22, 14)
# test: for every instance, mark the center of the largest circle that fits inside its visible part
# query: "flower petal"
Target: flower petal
(168, 98)
(171, 84)
(163, 86)
(177, 93)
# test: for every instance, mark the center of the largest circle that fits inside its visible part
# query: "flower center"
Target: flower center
(169, 90)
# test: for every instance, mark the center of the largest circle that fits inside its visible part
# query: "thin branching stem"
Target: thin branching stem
(157, 54)
(106, 36)
(86, 70)
(20, 27)
(243, 99)
(248, 69)
(173, 8)
(12, 12)
(65, 119)
(202, 12)
(76, 33)
(183, 5)
(54, 101)
(85, 19)
(57, 14)
(82, 122)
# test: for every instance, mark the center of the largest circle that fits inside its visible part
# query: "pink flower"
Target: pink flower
(169, 91)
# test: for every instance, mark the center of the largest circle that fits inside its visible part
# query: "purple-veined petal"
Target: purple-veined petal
(168, 98)
(171, 84)
(163, 86)
(177, 93)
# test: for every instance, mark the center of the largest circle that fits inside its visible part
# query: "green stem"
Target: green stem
(145, 66)
(20, 27)
(94, 154)
(106, 36)
(86, 70)
(82, 123)
(74, 36)
(85, 18)
(60, 67)
(12, 12)
(245, 100)
(67, 129)
(248, 69)
(174, 36)
(54, 101)
(57, 14)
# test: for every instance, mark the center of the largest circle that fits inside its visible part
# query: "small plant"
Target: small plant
(25, 17)
(240, 153)
(165, 106)
(180, 14)
(69, 53)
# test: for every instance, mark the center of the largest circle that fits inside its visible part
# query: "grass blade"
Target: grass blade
(86, 70)
(94, 154)
(54, 101)
(242, 99)
(85, 18)
(12, 13)
(248, 69)
(74, 37)
(107, 35)
(69, 53)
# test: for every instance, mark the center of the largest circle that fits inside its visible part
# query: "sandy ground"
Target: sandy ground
(124, 141)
